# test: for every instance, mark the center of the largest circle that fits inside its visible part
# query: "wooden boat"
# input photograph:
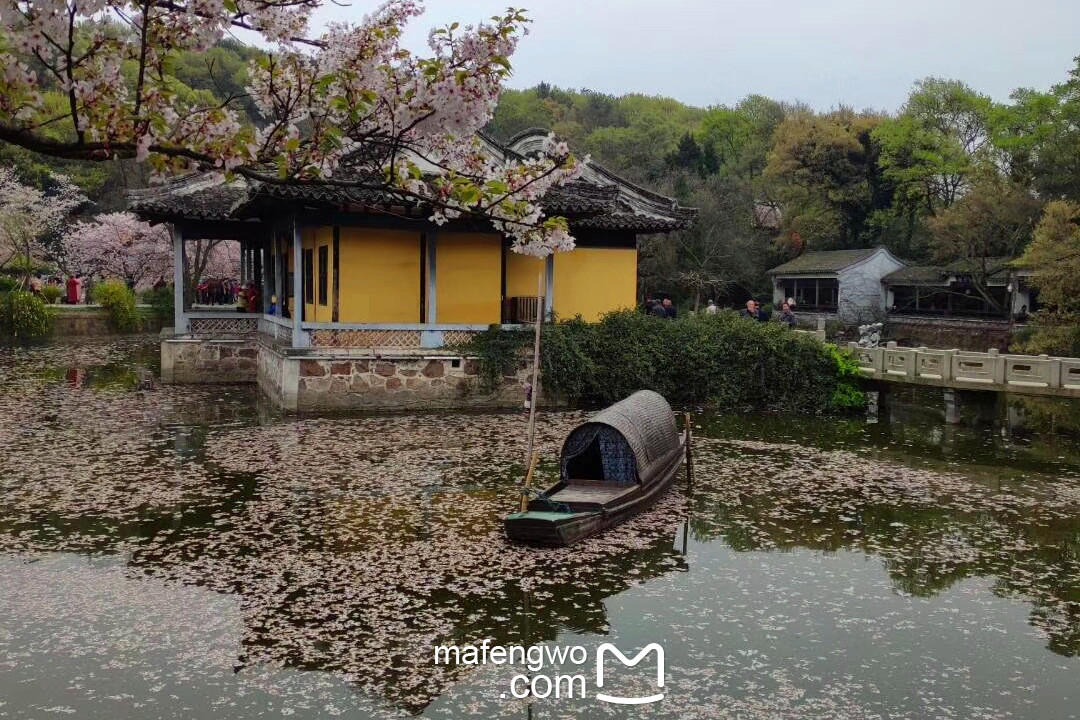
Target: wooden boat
(618, 463)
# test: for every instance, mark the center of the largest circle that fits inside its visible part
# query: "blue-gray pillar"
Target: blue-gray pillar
(298, 339)
(549, 292)
(431, 316)
(180, 321)
(431, 338)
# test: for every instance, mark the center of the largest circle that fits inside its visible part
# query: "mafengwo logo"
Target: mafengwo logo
(536, 658)
(611, 649)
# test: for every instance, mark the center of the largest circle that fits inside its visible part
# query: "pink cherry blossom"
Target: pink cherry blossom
(29, 215)
(351, 105)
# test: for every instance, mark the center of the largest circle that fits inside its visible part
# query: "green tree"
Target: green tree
(994, 219)
(929, 153)
(1054, 257)
(1039, 137)
(825, 172)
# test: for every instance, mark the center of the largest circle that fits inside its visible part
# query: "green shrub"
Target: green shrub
(8, 283)
(51, 293)
(160, 302)
(24, 316)
(848, 395)
(720, 360)
(119, 302)
(1049, 334)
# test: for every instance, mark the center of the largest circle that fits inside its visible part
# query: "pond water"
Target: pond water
(185, 552)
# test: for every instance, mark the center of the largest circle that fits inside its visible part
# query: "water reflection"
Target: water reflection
(355, 545)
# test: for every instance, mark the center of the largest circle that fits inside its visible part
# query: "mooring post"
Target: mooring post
(872, 405)
(952, 406)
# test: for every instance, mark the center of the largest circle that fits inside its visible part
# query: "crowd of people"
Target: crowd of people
(217, 291)
(75, 290)
(665, 308)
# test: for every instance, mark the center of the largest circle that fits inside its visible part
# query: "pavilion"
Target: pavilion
(376, 275)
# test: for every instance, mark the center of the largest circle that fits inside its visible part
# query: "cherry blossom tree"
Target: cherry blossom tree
(29, 216)
(119, 245)
(350, 107)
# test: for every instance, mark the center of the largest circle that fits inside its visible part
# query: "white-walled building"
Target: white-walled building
(845, 284)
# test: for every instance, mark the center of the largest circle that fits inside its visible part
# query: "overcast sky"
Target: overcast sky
(862, 53)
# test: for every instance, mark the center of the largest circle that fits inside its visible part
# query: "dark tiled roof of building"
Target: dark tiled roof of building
(598, 199)
(822, 261)
(940, 274)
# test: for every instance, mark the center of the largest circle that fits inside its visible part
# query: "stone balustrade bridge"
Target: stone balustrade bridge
(963, 370)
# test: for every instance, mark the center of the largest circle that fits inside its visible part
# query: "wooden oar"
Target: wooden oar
(530, 457)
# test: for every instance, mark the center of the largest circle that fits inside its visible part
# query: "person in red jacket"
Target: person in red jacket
(253, 298)
(73, 290)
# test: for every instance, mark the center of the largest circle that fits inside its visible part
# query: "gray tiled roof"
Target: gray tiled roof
(598, 199)
(940, 274)
(822, 261)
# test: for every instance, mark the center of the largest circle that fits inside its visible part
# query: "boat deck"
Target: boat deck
(592, 493)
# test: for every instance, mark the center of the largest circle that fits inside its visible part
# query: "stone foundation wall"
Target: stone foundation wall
(946, 333)
(94, 322)
(317, 381)
(400, 384)
(200, 361)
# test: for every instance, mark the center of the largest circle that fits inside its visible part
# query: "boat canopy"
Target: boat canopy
(624, 444)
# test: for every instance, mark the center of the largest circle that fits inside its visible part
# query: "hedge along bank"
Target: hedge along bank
(24, 316)
(722, 361)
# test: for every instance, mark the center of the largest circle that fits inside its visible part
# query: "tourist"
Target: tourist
(160, 284)
(751, 310)
(252, 296)
(272, 310)
(241, 300)
(710, 309)
(658, 310)
(669, 309)
(1022, 316)
(786, 316)
(647, 307)
(72, 294)
(35, 285)
(528, 388)
(88, 289)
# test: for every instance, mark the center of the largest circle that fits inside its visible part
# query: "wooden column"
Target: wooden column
(297, 286)
(277, 256)
(336, 312)
(549, 291)
(432, 250)
(180, 321)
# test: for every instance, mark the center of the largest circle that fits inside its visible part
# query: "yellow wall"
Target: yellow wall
(380, 276)
(521, 272)
(593, 281)
(468, 278)
(319, 237)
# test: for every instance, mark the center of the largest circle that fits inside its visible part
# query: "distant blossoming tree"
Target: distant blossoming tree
(119, 245)
(29, 216)
(90, 79)
(222, 261)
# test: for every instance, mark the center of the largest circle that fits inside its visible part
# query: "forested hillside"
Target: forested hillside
(951, 174)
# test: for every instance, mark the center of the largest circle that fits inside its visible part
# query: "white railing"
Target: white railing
(956, 368)
(222, 323)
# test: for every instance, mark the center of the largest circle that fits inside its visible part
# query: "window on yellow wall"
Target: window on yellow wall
(309, 276)
(324, 262)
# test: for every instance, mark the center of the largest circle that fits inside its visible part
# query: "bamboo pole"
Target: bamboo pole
(531, 457)
(528, 482)
(689, 455)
